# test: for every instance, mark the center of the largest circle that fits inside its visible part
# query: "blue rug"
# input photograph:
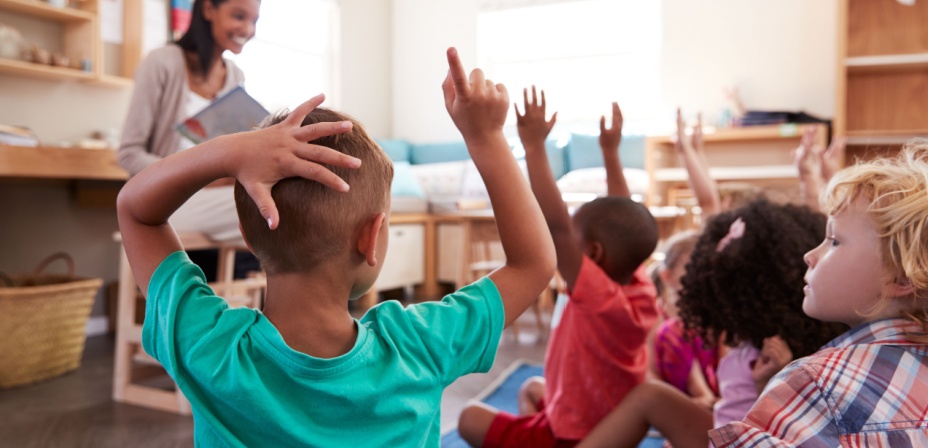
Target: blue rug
(503, 394)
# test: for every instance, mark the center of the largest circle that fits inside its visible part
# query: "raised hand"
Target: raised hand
(679, 142)
(833, 158)
(532, 126)
(774, 355)
(609, 139)
(808, 158)
(698, 143)
(285, 153)
(477, 106)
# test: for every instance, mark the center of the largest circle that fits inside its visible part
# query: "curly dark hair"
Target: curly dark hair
(752, 288)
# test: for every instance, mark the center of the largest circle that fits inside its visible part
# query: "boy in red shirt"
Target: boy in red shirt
(597, 353)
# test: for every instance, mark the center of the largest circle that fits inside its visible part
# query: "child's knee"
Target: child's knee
(534, 386)
(474, 422)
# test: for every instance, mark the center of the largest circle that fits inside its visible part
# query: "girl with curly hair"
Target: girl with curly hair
(743, 290)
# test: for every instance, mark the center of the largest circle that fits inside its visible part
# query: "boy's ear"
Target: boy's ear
(595, 251)
(367, 244)
(899, 287)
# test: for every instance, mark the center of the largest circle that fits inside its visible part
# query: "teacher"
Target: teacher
(175, 82)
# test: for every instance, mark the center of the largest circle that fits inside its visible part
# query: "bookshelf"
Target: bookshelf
(882, 74)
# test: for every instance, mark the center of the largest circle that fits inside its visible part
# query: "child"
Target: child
(303, 372)
(742, 287)
(867, 387)
(597, 353)
(680, 357)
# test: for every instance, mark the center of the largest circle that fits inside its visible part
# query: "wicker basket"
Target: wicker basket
(43, 319)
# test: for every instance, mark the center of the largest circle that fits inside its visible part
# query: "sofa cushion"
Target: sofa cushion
(584, 152)
(438, 152)
(405, 182)
(397, 150)
(593, 181)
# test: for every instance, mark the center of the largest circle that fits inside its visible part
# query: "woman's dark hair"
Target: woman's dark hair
(753, 287)
(199, 37)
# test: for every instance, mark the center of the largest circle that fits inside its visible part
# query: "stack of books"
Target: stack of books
(17, 136)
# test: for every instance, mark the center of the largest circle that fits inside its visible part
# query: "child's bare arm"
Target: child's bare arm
(697, 169)
(808, 161)
(609, 141)
(533, 129)
(478, 108)
(257, 159)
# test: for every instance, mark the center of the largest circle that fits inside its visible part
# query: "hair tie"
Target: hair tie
(734, 232)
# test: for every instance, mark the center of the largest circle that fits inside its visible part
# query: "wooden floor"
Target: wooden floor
(76, 410)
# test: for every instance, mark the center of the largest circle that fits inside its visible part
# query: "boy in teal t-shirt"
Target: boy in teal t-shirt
(303, 372)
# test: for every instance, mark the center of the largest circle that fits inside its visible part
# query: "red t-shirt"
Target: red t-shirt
(597, 353)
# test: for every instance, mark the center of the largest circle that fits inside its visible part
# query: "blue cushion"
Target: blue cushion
(584, 152)
(438, 152)
(397, 150)
(556, 158)
(405, 182)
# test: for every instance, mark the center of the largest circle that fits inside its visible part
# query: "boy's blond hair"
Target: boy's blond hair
(318, 223)
(897, 190)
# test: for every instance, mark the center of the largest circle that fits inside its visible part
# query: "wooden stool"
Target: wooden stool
(482, 255)
(132, 363)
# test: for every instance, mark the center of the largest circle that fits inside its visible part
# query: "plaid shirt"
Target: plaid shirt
(868, 387)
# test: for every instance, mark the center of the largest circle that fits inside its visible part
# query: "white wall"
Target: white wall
(366, 90)
(781, 54)
(422, 31)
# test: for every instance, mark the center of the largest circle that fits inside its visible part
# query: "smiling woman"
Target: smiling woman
(175, 82)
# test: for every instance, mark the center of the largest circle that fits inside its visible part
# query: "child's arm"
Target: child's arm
(533, 129)
(257, 159)
(609, 140)
(808, 163)
(478, 108)
(697, 168)
(774, 355)
(833, 158)
(698, 388)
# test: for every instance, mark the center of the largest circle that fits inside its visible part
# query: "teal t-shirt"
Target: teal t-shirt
(248, 388)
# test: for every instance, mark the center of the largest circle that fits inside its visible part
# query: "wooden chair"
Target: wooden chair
(483, 254)
(132, 364)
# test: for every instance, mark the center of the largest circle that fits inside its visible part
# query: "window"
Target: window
(292, 56)
(584, 54)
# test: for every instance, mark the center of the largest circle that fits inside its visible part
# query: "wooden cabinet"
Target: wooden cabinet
(74, 32)
(758, 155)
(882, 75)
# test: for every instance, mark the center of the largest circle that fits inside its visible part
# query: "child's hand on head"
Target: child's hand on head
(532, 126)
(262, 158)
(477, 106)
(774, 355)
(609, 139)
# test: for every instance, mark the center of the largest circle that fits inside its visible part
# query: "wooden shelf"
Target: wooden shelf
(49, 162)
(731, 173)
(113, 81)
(45, 71)
(43, 10)
(748, 133)
(889, 62)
